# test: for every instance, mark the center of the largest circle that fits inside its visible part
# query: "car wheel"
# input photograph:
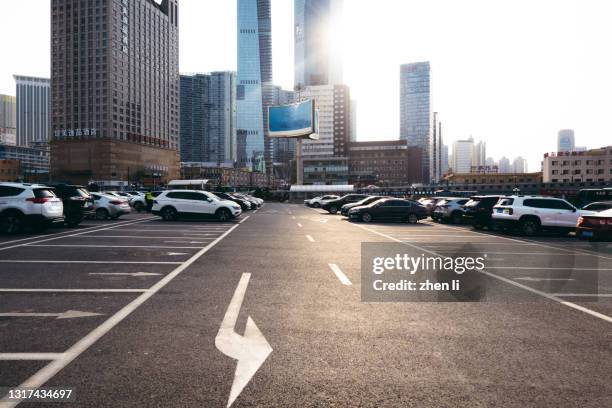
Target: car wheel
(138, 206)
(101, 214)
(169, 214)
(223, 214)
(456, 217)
(12, 223)
(530, 226)
(412, 218)
(333, 209)
(366, 217)
(316, 205)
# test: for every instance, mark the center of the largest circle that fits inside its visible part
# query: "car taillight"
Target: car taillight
(36, 200)
(116, 202)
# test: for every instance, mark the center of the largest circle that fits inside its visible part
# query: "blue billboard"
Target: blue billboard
(295, 120)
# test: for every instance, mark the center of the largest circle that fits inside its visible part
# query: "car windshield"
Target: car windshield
(473, 202)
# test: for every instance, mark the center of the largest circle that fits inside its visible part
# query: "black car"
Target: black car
(244, 204)
(77, 201)
(334, 206)
(479, 209)
(368, 200)
(390, 209)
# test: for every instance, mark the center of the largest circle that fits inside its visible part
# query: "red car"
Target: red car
(595, 226)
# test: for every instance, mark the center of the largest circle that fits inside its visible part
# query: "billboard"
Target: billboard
(295, 120)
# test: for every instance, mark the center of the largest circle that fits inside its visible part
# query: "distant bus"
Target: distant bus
(590, 195)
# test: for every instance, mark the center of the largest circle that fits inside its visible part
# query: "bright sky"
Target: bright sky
(511, 73)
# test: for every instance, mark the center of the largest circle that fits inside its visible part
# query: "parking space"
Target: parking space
(59, 287)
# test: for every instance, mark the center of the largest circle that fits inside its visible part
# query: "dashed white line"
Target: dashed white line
(29, 356)
(310, 238)
(341, 276)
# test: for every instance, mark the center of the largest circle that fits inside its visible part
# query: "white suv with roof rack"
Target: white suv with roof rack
(530, 214)
(31, 205)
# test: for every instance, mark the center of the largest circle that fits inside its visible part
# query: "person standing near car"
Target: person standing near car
(149, 197)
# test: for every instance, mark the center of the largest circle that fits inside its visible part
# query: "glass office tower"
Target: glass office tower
(415, 109)
(254, 92)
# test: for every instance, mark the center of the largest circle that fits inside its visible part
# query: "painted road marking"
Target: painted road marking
(134, 237)
(341, 276)
(111, 246)
(244, 219)
(69, 314)
(501, 278)
(583, 294)
(89, 262)
(50, 370)
(530, 279)
(29, 356)
(14, 290)
(310, 238)
(251, 349)
(186, 242)
(299, 225)
(77, 234)
(135, 274)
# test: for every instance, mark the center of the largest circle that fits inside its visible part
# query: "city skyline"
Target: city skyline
(499, 87)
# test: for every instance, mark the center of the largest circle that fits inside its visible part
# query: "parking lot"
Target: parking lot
(134, 308)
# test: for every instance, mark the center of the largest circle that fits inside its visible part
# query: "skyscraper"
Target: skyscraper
(115, 90)
(8, 120)
(566, 140)
(519, 165)
(255, 91)
(415, 109)
(435, 150)
(33, 116)
(317, 51)
(208, 118)
(463, 155)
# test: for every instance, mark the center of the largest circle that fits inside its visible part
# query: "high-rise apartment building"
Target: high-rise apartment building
(317, 51)
(33, 111)
(504, 165)
(415, 109)
(255, 91)
(8, 120)
(435, 150)
(566, 141)
(353, 137)
(519, 165)
(115, 89)
(463, 155)
(208, 118)
(479, 158)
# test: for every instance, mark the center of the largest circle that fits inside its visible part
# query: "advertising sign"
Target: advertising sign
(294, 120)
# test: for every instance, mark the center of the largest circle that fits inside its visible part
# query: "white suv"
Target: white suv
(530, 214)
(173, 204)
(31, 205)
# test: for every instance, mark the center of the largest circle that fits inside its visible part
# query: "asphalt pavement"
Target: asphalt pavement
(267, 311)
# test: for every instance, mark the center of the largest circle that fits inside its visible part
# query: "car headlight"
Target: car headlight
(236, 207)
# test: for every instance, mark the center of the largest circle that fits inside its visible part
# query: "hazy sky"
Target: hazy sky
(511, 73)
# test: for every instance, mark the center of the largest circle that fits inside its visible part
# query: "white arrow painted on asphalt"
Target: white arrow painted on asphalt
(126, 274)
(69, 314)
(251, 350)
(529, 279)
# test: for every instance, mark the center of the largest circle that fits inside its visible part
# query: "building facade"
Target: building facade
(385, 163)
(254, 89)
(593, 165)
(317, 51)
(33, 111)
(436, 146)
(519, 165)
(10, 170)
(115, 89)
(283, 149)
(223, 177)
(463, 155)
(415, 109)
(566, 141)
(208, 118)
(34, 163)
(8, 120)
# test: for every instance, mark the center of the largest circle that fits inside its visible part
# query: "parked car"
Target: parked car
(257, 202)
(173, 204)
(595, 227)
(368, 200)
(389, 209)
(28, 205)
(479, 209)
(531, 214)
(78, 203)
(430, 203)
(109, 206)
(596, 207)
(244, 204)
(137, 201)
(449, 210)
(316, 202)
(333, 206)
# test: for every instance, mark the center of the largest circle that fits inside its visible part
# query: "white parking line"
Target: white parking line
(75, 235)
(137, 237)
(341, 276)
(501, 278)
(46, 373)
(88, 262)
(244, 219)
(299, 225)
(190, 231)
(310, 238)
(293, 218)
(110, 246)
(582, 294)
(5, 290)
(29, 356)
